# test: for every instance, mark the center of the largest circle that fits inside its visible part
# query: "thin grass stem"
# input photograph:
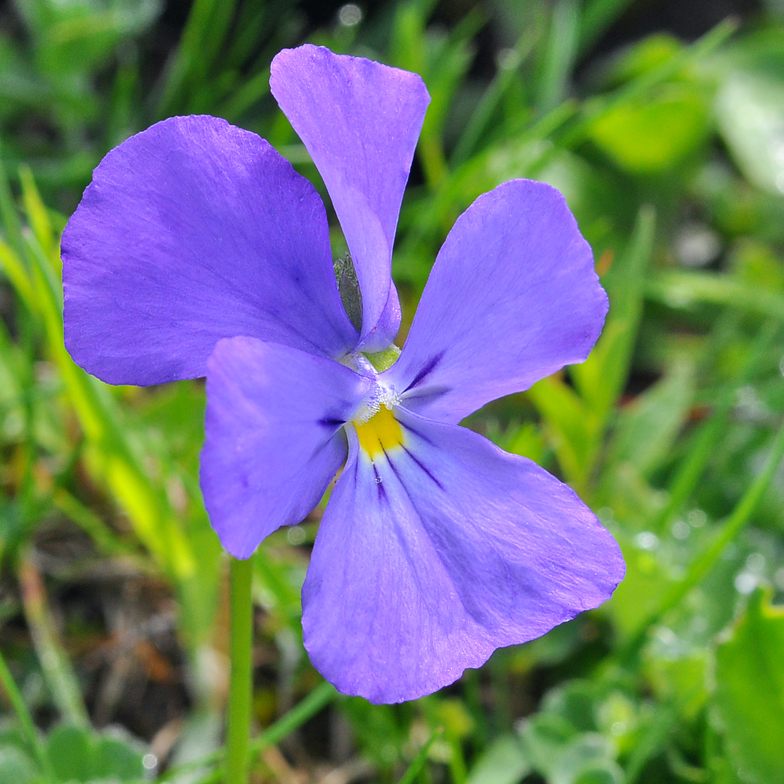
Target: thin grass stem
(704, 562)
(421, 758)
(240, 684)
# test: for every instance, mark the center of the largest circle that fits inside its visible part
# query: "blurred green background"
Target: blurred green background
(662, 122)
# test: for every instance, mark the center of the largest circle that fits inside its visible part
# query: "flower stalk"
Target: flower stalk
(241, 682)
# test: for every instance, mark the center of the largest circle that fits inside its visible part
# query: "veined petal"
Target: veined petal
(273, 436)
(360, 122)
(193, 231)
(435, 549)
(512, 297)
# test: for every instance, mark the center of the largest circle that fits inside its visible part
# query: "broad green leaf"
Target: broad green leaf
(574, 701)
(16, 767)
(69, 749)
(757, 264)
(749, 696)
(648, 427)
(83, 755)
(503, 762)
(750, 111)
(561, 741)
(544, 737)
(587, 759)
(632, 136)
(652, 52)
(116, 758)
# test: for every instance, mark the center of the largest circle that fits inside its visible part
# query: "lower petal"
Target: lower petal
(434, 553)
(273, 436)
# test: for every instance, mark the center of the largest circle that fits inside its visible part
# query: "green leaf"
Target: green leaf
(544, 737)
(749, 695)
(82, 755)
(116, 758)
(69, 750)
(750, 112)
(648, 427)
(650, 53)
(631, 134)
(503, 762)
(16, 767)
(587, 759)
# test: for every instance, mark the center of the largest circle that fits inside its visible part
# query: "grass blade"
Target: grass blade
(559, 56)
(25, 720)
(705, 561)
(421, 758)
(56, 666)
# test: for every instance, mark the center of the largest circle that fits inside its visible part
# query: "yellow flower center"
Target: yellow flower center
(381, 432)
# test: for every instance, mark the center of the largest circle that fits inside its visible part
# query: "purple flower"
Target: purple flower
(198, 250)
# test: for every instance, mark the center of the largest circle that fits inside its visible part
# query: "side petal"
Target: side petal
(360, 122)
(193, 231)
(512, 298)
(438, 551)
(273, 436)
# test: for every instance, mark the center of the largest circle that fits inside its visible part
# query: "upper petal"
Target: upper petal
(434, 553)
(512, 297)
(360, 122)
(192, 231)
(273, 438)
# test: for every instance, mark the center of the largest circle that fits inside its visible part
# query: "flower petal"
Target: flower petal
(192, 231)
(273, 437)
(360, 122)
(512, 298)
(435, 553)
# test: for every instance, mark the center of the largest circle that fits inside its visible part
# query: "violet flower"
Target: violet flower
(198, 250)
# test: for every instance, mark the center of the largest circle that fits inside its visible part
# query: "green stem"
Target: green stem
(240, 685)
(320, 697)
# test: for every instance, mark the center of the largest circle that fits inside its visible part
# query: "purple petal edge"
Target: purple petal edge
(513, 297)
(273, 436)
(360, 121)
(193, 231)
(434, 554)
